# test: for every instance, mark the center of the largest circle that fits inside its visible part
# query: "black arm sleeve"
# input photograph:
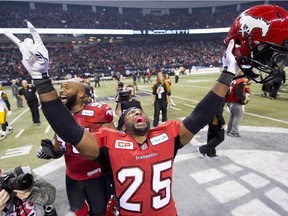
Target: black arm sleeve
(62, 121)
(203, 112)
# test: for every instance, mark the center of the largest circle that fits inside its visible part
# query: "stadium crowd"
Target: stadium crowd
(106, 57)
(65, 59)
(77, 16)
(110, 18)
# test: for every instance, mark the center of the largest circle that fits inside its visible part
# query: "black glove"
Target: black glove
(47, 151)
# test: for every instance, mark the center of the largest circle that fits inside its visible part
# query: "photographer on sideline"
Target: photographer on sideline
(22, 192)
(125, 101)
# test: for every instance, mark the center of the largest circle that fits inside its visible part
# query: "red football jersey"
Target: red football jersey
(232, 96)
(143, 175)
(92, 116)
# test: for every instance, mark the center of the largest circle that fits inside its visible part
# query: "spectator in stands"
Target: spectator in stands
(84, 17)
(200, 53)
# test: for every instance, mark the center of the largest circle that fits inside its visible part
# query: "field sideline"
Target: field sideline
(19, 148)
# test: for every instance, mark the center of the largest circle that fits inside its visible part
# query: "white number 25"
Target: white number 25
(158, 185)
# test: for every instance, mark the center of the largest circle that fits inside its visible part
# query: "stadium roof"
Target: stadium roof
(150, 3)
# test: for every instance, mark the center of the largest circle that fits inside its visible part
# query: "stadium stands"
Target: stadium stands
(131, 53)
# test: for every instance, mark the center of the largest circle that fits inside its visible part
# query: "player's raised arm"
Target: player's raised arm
(35, 59)
(213, 101)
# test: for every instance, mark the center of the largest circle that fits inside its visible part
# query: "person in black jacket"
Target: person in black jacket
(276, 83)
(29, 93)
(215, 136)
(161, 98)
(125, 105)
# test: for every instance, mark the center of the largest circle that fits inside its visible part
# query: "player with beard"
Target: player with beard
(84, 179)
(138, 159)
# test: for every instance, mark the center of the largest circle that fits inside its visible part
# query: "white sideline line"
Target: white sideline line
(264, 117)
(189, 105)
(22, 113)
(15, 119)
(19, 133)
(175, 108)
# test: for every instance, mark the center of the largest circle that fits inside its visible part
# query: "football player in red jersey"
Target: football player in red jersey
(140, 159)
(84, 179)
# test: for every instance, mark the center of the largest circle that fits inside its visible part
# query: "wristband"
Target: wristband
(226, 78)
(43, 86)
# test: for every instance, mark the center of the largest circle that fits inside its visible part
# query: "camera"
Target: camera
(124, 96)
(10, 182)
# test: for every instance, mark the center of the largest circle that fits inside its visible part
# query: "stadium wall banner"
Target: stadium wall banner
(115, 31)
(205, 70)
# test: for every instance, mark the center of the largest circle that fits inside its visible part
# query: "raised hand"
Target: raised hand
(229, 61)
(35, 56)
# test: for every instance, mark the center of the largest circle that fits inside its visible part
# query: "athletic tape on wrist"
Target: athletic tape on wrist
(43, 86)
(226, 78)
(203, 112)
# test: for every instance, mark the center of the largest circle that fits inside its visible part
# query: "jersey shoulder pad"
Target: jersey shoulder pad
(98, 112)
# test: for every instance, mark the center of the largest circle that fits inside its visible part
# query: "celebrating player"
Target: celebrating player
(84, 178)
(140, 160)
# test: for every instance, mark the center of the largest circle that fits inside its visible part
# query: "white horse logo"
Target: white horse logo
(248, 23)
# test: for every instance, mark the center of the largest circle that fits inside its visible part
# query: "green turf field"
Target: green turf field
(19, 148)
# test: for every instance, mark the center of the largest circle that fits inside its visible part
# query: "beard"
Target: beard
(71, 101)
(141, 131)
